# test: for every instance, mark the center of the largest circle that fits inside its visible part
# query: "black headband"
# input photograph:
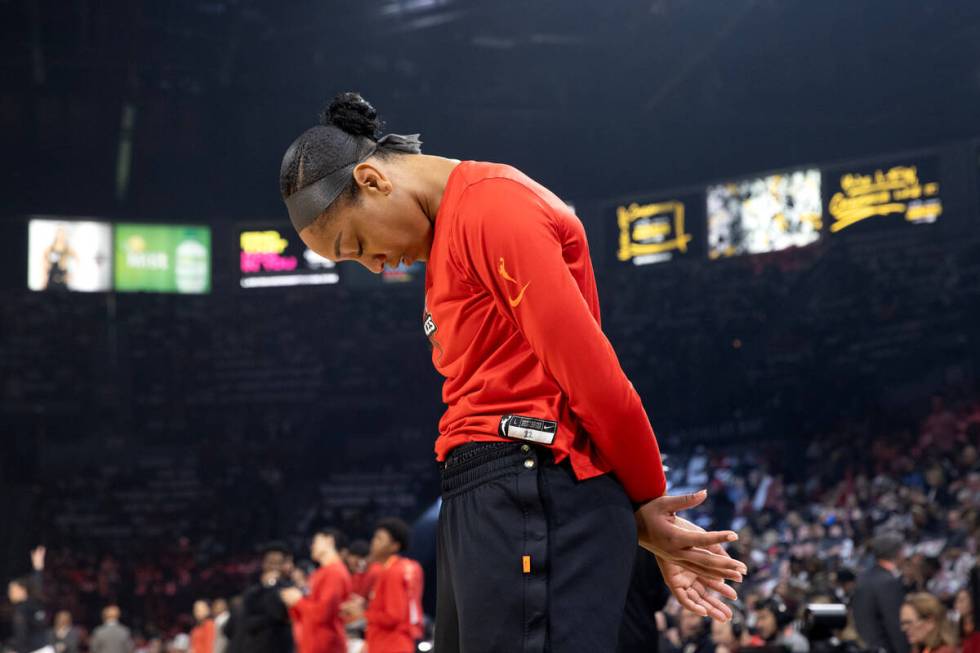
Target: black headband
(306, 204)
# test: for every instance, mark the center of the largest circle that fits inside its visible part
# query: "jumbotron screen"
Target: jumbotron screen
(656, 230)
(163, 258)
(274, 256)
(69, 255)
(765, 214)
(862, 198)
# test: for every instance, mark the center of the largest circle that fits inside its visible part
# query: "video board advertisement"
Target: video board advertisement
(764, 214)
(658, 230)
(273, 256)
(163, 258)
(862, 198)
(69, 255)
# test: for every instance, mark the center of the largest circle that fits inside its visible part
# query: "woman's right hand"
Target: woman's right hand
(693, 562)
(676, 540)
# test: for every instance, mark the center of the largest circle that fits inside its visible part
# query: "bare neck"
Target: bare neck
(430, 175)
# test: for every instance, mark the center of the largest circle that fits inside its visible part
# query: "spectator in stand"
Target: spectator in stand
(234, 628)
(940, 428)
(202, 636)
(65, 637)
(28, 629)
(878, 597)
(924, 622)
(262, 624)
(363, 572)
(774, 624)
(219, 608)
(728, 636)
(394, 612)
(111, 636)
(692, 635)
(843, 589)
(181, 643)
(318, 612)
(153, 645)
(917, 569)
(967, 608)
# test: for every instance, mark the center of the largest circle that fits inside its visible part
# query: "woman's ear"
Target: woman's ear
(371, 178)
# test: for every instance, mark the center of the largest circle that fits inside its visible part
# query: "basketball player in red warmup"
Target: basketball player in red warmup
(363, 574)
(318, 612)
(202, 636)
(550, 469)
(394, 610)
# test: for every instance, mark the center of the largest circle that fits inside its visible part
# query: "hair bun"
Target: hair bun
(353, 114)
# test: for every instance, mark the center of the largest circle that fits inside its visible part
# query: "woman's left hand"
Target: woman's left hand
(694, 592)
(676, 540)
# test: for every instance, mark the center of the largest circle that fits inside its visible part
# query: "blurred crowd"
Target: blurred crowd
(887, 523)
(339, 598)
(152, 536)
(884, 521)
(152, 487)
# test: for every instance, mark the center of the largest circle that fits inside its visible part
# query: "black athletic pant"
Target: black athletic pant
(530, 560)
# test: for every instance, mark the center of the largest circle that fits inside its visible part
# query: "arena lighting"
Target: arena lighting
(291, 280)
(411, 6)
(432, 513)
(415, 15)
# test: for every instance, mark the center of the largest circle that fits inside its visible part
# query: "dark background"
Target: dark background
(130, 421)
(593, 99)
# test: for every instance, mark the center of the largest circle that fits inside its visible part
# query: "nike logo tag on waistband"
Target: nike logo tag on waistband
(532, 429)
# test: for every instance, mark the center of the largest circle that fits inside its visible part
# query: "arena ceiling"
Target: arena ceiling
(593, 98)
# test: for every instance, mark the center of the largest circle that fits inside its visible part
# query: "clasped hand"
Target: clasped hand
(693, 561)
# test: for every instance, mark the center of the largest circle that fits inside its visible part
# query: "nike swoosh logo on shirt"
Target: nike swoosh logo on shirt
(514, 301)
(502, 271)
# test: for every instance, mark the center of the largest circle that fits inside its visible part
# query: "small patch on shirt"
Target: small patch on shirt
(532, 429)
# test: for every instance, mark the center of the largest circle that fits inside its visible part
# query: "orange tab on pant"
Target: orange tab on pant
(526, 560)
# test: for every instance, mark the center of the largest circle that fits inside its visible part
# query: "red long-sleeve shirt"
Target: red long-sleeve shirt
(363, 582)
(512, 313)
(202, 637)
(318, 613)
(394, 612)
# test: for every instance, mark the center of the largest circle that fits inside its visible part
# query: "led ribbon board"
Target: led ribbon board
(275, 256)
(657, 230)
(163, 258)
(871, 197)
(69, 255)
(764, 214)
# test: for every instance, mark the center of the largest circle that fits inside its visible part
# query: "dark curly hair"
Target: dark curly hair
(348, 118)
(397, 529)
